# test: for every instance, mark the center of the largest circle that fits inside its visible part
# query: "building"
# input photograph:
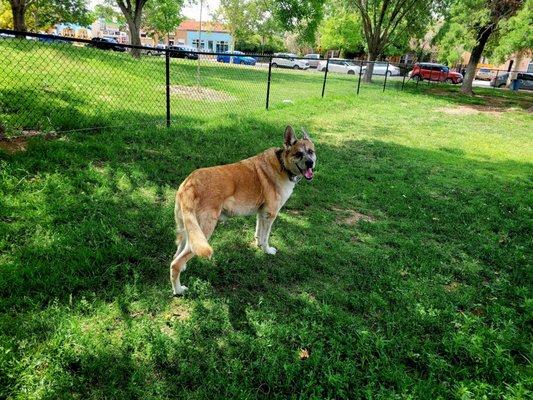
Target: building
(213, 36)
(72, 31)
(103, 28)
(517, 62)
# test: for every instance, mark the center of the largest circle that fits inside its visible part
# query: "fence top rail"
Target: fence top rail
(13, 33)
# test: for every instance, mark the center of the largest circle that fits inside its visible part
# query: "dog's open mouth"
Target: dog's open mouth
(308, 174)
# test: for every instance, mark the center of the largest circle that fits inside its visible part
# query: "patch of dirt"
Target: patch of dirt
(20, 143)
(352, 217)
(452, 287)
(471, 110)
(200, 93)
(13, 145)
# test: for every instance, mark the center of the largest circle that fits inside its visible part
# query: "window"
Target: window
(210, 45)
(222, 46)
(195, 44)
(530, 68)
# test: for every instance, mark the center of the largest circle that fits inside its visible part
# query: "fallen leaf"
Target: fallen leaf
(304, 354)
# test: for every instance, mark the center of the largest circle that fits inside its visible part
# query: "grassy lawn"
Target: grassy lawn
(403, 270)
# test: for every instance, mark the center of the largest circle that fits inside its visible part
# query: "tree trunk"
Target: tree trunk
(516, 67)
(18, 8)
(372, 56)
(483, 36)
(134, 26)
(133, 18)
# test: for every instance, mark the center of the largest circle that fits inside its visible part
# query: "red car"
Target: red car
(435, 72)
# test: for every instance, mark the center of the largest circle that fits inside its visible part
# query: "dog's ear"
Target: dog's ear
(290, 137)
(306, 135)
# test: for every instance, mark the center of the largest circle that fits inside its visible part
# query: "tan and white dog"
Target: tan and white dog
(260, 184)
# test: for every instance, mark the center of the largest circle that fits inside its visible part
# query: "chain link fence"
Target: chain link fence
(50, 83)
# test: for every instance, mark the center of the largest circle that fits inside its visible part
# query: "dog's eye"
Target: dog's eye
(298, 154)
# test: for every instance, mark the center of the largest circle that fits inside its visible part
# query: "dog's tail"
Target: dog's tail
(196, 238)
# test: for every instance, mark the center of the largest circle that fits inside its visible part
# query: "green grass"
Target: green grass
(432, 299)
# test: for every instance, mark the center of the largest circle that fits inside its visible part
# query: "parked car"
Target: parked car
(341, 66)
(157, 50)
(525, 80)
(380, 68)
(236, 57)
(313, 60)
(105, 43)
(53, 39)
(181, 51)
(484, 74)
(288, 60)
(435, 72)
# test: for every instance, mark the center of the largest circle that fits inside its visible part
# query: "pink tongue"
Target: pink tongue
(308, 173)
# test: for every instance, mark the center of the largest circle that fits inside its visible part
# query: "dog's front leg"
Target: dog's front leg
(265, 220)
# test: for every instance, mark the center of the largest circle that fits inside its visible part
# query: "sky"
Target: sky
(192, 12)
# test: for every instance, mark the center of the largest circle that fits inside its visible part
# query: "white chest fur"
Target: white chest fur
(285, 191)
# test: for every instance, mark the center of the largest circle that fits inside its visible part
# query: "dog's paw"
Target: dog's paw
(270, 250)
(180, 290)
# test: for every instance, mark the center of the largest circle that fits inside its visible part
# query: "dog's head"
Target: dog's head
(299, 154)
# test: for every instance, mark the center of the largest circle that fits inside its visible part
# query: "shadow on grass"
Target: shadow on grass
(91, 218)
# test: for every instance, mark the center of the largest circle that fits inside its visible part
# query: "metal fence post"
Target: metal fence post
(386, 73)
(268, 81)
(430, 72)
(360, 73)
(325, 77)
(496, 79)
(167, 73)
(403, 81)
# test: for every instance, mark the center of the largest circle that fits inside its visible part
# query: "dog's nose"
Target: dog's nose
(309, 164)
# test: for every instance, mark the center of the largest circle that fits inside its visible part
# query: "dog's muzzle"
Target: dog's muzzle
(308, 172)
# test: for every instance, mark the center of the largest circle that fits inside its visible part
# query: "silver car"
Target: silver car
(525, 80)
(381, 67)
(288, 60)
(313, 60)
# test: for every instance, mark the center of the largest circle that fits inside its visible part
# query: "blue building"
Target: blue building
(212, 37)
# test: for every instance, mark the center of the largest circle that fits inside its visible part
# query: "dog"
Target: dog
(260, 184)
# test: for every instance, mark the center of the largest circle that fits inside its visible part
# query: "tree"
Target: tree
(132, 11)
(108, 13)
(515, 34)
(44, 14)
(299, 16)
(388, 22)
(48, 12)
(341, 32)
(251, 23)
(478, 21)
(6, 16)
(162, 16)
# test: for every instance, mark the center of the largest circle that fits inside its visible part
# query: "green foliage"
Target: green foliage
(109, 13)
(162, 16)
(47, 13)
(6, 16)
(259, 45)
(516, 34)
(454, 42)
(341, 32)
(388, 26)
(300, 16)
(252, 24)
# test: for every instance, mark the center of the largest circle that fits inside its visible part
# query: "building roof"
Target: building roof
(209, 26)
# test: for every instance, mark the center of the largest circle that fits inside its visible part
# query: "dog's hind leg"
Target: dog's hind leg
(178, 265)
(207, 222)
(181, 234)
